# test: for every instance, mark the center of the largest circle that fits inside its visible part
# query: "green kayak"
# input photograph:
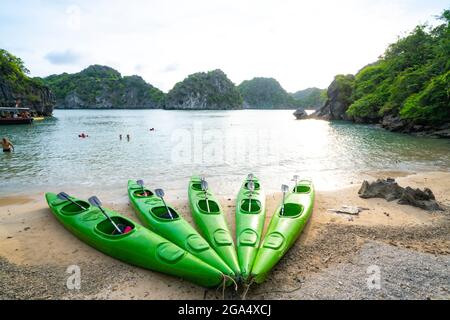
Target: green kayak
(153, 215)
(250, 217)
(284, 229)
(140, 246)
(208, 216)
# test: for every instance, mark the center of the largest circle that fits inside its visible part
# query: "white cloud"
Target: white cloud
(300, 43)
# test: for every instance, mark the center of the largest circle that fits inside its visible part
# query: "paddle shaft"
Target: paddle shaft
(282, 207)
(77, 204)
(110, 220)
(207, 202)
(167, 208)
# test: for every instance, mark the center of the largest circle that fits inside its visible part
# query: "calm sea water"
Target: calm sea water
(222, 145)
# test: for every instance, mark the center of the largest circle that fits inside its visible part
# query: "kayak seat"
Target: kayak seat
(274, 241)
(292, 210)
(302, 189)
(105, 227)
(197, 243)
(161, 213)
(248, 237)
(71, 209)
(213, 207)
(257, 185)
(170, 253)
(222, 238)
(140, 193)
(196, 186)
(253, 205)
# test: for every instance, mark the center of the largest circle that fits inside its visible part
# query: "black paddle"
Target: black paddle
(284, 189)
(65, 196)
(97, 203)
(160, 193)
(141, 183)
(251, 187)
(204, 185)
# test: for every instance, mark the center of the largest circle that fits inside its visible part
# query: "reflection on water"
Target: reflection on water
(222, 145)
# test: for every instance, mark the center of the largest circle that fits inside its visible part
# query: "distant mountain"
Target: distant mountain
(101, 87)
(265, 93)
(16, 85)
(204, 91)
(311, 98)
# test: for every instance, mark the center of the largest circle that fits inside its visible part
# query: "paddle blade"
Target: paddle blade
(295, 178)
(251, 186)
(95, 201)
(63, 196)
(284, 188)
(204, 185)
(140, 182)
(159, 193)
(250, 177)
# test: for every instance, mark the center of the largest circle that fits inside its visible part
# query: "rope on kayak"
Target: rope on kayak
(224, 285)
(247, 288)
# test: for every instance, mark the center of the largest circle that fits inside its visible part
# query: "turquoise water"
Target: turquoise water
(222, 145)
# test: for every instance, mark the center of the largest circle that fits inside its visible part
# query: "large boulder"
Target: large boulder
(300, 114)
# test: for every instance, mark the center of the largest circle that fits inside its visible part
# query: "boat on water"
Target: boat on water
(15, 115)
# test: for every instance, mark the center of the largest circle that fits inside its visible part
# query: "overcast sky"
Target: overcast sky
(300, 43)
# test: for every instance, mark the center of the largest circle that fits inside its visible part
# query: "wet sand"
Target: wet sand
(411, 246)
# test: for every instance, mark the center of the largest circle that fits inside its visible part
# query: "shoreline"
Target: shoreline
(36, 249)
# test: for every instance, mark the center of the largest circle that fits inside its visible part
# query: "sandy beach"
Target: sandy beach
(410, 246)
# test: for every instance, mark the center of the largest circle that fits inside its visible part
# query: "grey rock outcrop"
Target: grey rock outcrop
(390, 190)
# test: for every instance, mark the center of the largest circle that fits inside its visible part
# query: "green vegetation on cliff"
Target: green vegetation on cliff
(311, 98)
(201, 91)
(103, 87)
(410, 82)
(16, 85)
(265, 93)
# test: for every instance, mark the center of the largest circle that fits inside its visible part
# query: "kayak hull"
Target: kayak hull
(284, 229)
(250, 217)
(177, 230)
(212, 223)
(140, 247)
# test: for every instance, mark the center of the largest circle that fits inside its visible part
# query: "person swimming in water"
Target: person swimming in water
(128, 137)
(7, 145)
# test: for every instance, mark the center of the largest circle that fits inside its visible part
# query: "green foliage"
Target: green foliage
(13, 76)
(311, 98)
(410, 80)
(104, 83)
(266, 93)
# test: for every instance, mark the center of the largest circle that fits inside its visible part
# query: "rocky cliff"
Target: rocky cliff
(406, 90)
(339, 99)
(204, 91)
(101, 87)
(16, 85)
(265, 93)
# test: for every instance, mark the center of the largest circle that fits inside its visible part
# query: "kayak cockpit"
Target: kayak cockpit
(196, 186)
(143, 193)
(72, 209)
(161, 213)
(302, 189)
(106, 228)
(256, 184)
(292, 210)
(250, 206)
(209, 208)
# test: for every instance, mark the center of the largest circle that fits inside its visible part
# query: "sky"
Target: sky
(300, 43)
